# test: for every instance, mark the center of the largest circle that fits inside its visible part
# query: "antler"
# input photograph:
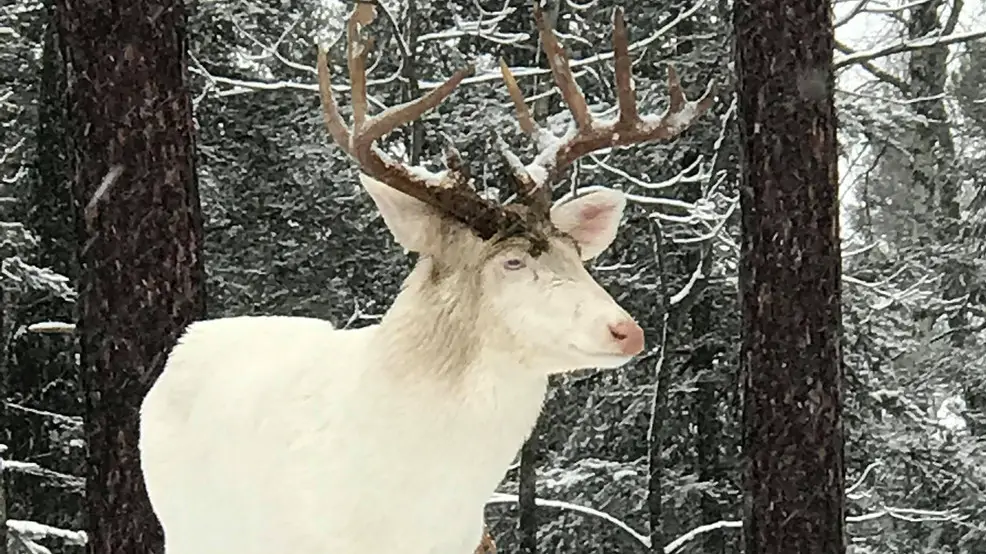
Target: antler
(589, 134)
(450, 193)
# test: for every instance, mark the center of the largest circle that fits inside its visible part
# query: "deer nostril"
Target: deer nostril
(628, 335)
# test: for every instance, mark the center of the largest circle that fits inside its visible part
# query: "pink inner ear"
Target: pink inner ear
(593, 220)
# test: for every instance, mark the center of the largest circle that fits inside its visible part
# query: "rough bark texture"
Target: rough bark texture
(4, 420)
(527, 522)
(139, 234)
(790, 279)
(708, 433)
(43, 367)
(934, 149)
(50, 213)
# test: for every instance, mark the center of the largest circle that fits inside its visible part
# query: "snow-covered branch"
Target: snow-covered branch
(18, 272)
(504, 498)
(687, 289)
(486, 27)
(904, 514)
(65, 480)
(906, 46)
(52, 328)
(73, 421)
(851, 490)
(35, 531)
(241, 86)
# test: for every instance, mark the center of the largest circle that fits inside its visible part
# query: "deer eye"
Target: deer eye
(513, 264)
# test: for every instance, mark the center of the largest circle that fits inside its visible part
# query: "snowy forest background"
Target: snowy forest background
(288, 231)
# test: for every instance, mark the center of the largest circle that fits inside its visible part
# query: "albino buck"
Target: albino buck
(282, 434)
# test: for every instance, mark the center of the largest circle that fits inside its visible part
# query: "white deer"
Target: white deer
(284, 434)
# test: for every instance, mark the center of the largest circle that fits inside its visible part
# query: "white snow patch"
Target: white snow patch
(51, 327)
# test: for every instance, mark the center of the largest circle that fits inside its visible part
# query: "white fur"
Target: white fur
(283, 434)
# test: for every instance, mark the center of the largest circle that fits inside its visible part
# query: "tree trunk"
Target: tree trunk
(50, 213)
(933, 148)
(527, 523)
(44, 371)
(708, 434)
(139, 236)
(790, 279)
(4, 419)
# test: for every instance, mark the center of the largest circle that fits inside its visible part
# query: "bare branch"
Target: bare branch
(908, 46)
(241, 86)
(504, 498)
(880, 74)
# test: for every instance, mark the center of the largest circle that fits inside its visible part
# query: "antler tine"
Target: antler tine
(536, 192)
(625, 91)
(527, 123)
(365, 130)
(447, 194)
(590, 135)
(632, 128)
(330, 111)
(560, 69)
(356, 53)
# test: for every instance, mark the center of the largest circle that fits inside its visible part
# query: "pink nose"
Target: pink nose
(628, 335)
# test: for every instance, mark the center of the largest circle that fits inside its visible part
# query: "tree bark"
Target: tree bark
(708, 432)
(4, 419)
(50, 214)
(933, 147)
(139, 229)
(790, 273)
(527, 523)
(43, 368)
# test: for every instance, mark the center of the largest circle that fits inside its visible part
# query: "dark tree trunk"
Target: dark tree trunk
(139, 236)
(707, 427)
(934, 150)
(705, 410)
(45, 372)
(527, 522)
(4, 420)
(50, 214)
(790, 279)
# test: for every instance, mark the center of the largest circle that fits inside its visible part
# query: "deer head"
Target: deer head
(504, 278)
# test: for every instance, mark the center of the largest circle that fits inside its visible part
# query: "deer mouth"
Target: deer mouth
(601, 355)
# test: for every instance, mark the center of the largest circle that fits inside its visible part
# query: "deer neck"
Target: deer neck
(438, 329)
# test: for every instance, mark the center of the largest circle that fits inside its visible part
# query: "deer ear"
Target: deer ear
(592, 218)
(414, 224)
